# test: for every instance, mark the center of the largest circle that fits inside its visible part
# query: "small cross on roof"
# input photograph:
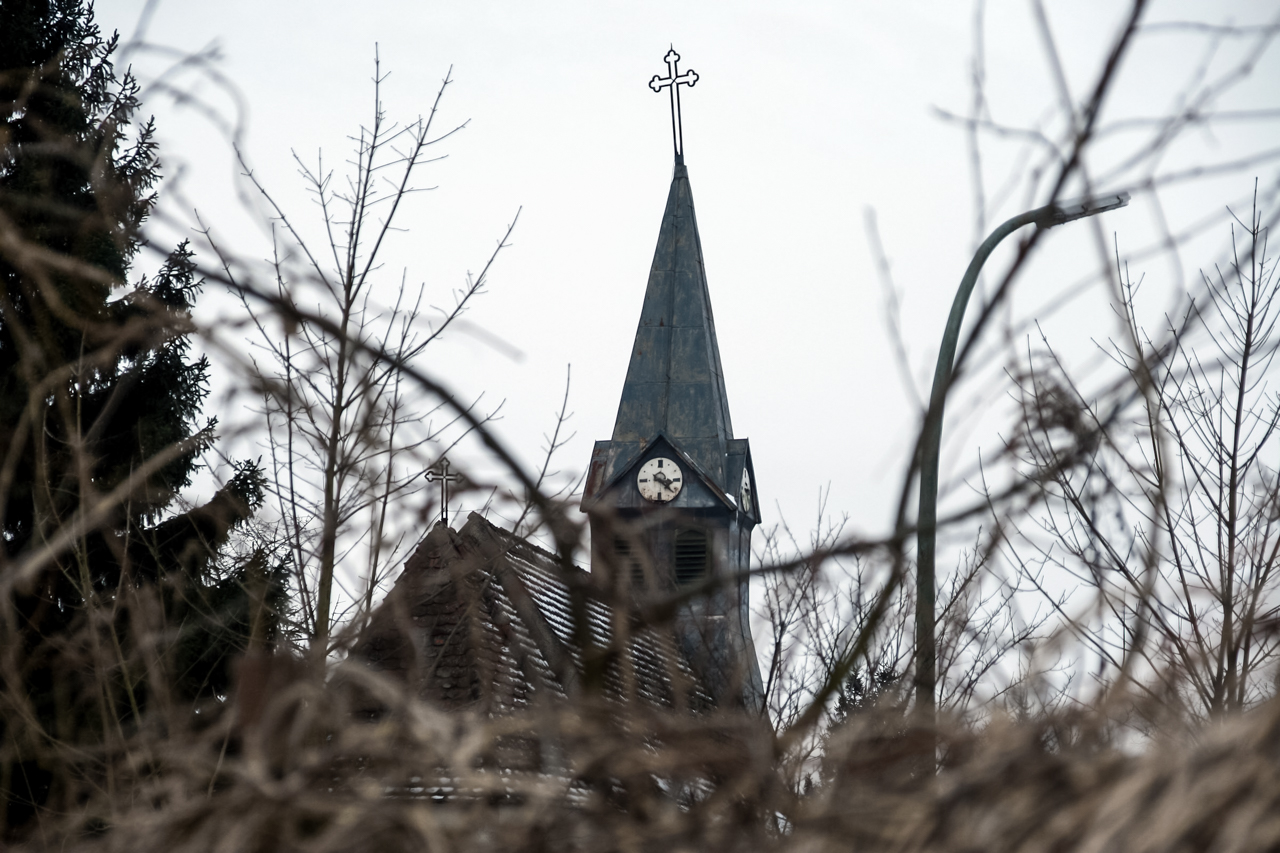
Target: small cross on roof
(441, 473)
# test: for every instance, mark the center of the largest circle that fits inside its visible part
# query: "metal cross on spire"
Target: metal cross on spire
(674, 80)
(441, 473)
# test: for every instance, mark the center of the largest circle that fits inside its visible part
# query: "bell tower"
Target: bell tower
(671, 497)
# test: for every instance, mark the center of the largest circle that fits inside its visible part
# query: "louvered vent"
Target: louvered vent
(691, 556)
(629, 560)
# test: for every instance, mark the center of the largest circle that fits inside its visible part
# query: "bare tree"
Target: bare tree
(1201, 620)
(347, 441)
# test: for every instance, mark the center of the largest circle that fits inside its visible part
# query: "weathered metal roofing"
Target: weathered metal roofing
(675, 384)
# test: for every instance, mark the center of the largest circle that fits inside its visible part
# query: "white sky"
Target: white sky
(806, 115)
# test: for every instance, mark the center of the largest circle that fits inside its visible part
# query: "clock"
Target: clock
(744, 493)
(659, 480)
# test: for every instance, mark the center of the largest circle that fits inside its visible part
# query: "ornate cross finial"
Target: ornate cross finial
(674, 80)
(441, 473)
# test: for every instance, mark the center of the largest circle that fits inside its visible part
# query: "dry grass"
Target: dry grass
(301, 772)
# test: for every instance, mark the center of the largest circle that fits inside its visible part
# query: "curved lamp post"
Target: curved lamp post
(931, 434)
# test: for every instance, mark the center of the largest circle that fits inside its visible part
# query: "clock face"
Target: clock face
(744, 493)
(659, 480)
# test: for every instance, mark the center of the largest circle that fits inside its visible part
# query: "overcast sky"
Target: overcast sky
(806, 116)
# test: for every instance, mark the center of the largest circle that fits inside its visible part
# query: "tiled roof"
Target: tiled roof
(482, 619)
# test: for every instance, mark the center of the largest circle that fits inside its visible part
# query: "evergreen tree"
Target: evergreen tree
(862, 690)
(99, 426)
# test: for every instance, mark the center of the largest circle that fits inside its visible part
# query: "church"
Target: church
(482, 619)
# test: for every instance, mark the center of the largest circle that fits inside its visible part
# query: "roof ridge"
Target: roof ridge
(516, 540)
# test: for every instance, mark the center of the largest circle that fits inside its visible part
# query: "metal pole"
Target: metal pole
(930, 444)
(676, 136)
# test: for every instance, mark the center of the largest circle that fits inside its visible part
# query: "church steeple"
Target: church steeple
(675, 384)
(671, 497)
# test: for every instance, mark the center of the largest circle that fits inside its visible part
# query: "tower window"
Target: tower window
(629, 561)
(691, 556)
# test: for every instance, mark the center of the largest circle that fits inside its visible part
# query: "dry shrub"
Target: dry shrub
(301, 771)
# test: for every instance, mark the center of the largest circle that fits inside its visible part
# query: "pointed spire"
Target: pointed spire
(675, 385)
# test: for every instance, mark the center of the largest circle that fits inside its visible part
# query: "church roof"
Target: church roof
(482, 618)
(675, 384)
